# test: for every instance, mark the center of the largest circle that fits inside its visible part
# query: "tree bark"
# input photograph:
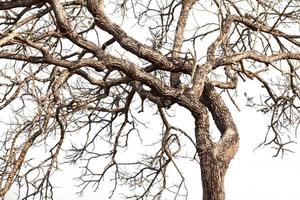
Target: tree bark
(214, 157)
(213, 166)
(212, 174)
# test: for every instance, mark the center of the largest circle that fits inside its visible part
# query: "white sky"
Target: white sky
(257, 175)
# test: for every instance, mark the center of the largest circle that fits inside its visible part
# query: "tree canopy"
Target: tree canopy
(75, 76)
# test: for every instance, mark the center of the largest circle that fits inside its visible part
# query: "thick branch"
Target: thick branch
(130, 44)
(19, 3)
(178, 41)
(18, 163)
(228, 144)
(203, 71)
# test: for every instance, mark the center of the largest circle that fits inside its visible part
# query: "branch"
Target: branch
(235, 58)
(19, 3)
(178, 41)
(18, 163)
(227, 146)
(96, 7)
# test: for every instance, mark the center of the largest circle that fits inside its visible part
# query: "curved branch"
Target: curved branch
(227, 146)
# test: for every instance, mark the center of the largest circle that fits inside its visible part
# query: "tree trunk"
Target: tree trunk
(215, 157)
(212, 173)
(212, 169)
(214, 162)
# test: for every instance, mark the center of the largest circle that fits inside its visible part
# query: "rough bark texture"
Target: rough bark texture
(214, 157)
(179, 37)
(213, 174)
(214, 162)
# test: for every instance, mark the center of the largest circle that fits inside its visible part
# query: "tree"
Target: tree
(69, 69)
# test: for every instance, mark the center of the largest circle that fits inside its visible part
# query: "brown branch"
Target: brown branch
(178, 40)
(19, 3)
(227, 146)
(96, 7)
(252, 55)
(18, 163)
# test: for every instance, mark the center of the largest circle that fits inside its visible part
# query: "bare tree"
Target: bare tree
(69, 70)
